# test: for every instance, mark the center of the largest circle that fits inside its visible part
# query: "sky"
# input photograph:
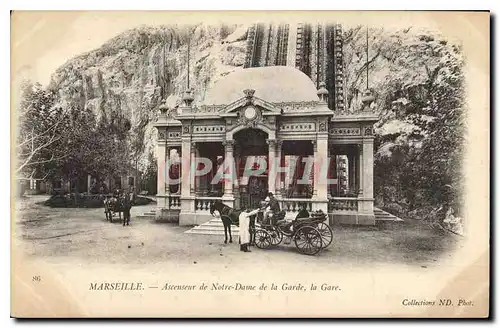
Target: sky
(41, 41)
(45, 42)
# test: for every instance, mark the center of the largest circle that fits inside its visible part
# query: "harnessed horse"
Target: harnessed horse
(230, 216)
(119, 204)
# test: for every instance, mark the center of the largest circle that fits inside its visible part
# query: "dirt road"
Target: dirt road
(67, 251)
(84, 235)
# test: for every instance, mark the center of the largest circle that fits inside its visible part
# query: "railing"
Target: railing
(202, 204)
(295, 204)
(173, 202)
(349, 204)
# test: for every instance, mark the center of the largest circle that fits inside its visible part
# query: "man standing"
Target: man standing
(244, 220)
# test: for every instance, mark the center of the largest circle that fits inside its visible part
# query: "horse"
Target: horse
(230, 216)
(111, 207)
(118, 204)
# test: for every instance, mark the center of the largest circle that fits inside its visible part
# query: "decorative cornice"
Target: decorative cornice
(174, 134)
(350, 131)
(209, 129)
(296, 106)
(290, 106)
(297, 127)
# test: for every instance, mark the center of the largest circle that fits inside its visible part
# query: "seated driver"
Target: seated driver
(273, 206)
(267, 211)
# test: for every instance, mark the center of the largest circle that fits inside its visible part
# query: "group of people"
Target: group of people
(270, 207)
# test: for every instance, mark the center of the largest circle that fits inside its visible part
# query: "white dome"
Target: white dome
(273, 84)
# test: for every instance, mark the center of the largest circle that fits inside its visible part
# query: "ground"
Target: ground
(66, 251)
(81, 235)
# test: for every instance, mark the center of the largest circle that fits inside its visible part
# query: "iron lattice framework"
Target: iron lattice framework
(318, 53)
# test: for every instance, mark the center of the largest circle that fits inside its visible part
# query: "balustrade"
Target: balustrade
(174, 202)
(294, 205)
(343, 204)
(202, 204)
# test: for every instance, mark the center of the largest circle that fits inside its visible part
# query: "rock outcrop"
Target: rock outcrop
(132, 73)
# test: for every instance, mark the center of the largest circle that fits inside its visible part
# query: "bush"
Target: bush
(75, 200)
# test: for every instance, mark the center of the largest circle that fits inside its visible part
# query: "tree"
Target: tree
(418, 79)
(150, 176)
(39, 134)
(69, 143)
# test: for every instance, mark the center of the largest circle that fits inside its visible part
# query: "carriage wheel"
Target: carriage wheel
(308, 240)
(326, 234)
(262, 239)
(276, 236)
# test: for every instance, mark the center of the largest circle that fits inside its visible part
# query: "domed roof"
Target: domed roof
(273, 84)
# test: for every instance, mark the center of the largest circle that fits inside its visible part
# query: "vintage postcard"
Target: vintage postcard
(250, 164)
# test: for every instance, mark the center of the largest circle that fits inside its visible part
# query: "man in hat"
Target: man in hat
(244, 219)
(273, 204)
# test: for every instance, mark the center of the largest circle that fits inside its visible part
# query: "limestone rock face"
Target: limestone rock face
(130, 74)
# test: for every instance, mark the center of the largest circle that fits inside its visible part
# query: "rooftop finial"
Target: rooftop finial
(322, 92)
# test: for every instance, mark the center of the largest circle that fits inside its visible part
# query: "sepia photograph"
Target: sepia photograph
(250, 164)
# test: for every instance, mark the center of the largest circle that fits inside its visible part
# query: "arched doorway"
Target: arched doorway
(251, 147)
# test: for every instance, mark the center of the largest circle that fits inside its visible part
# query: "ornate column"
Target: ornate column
(167, 171)
(367, 181)
(194, 181)
(320, 166)
(321, 161)
(315, 176)
(271, 177)
(351, 167)
(329, 163)
(161, 145)
(228, 163)
(236, 186)
(279, 172)
(186, 216)
(162, 170)
(211, 187)
(204, 180)
(360, 170)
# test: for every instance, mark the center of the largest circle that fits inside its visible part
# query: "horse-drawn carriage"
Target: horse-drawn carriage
(309, 232)
(117, 204)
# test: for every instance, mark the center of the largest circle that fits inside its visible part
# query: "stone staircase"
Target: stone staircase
(151, 214)
(215, 226)
(382, 216)
(212, 227)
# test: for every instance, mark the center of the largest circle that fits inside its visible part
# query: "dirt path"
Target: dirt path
(84, 236)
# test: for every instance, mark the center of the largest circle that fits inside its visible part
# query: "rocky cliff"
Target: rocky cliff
(131, 73)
